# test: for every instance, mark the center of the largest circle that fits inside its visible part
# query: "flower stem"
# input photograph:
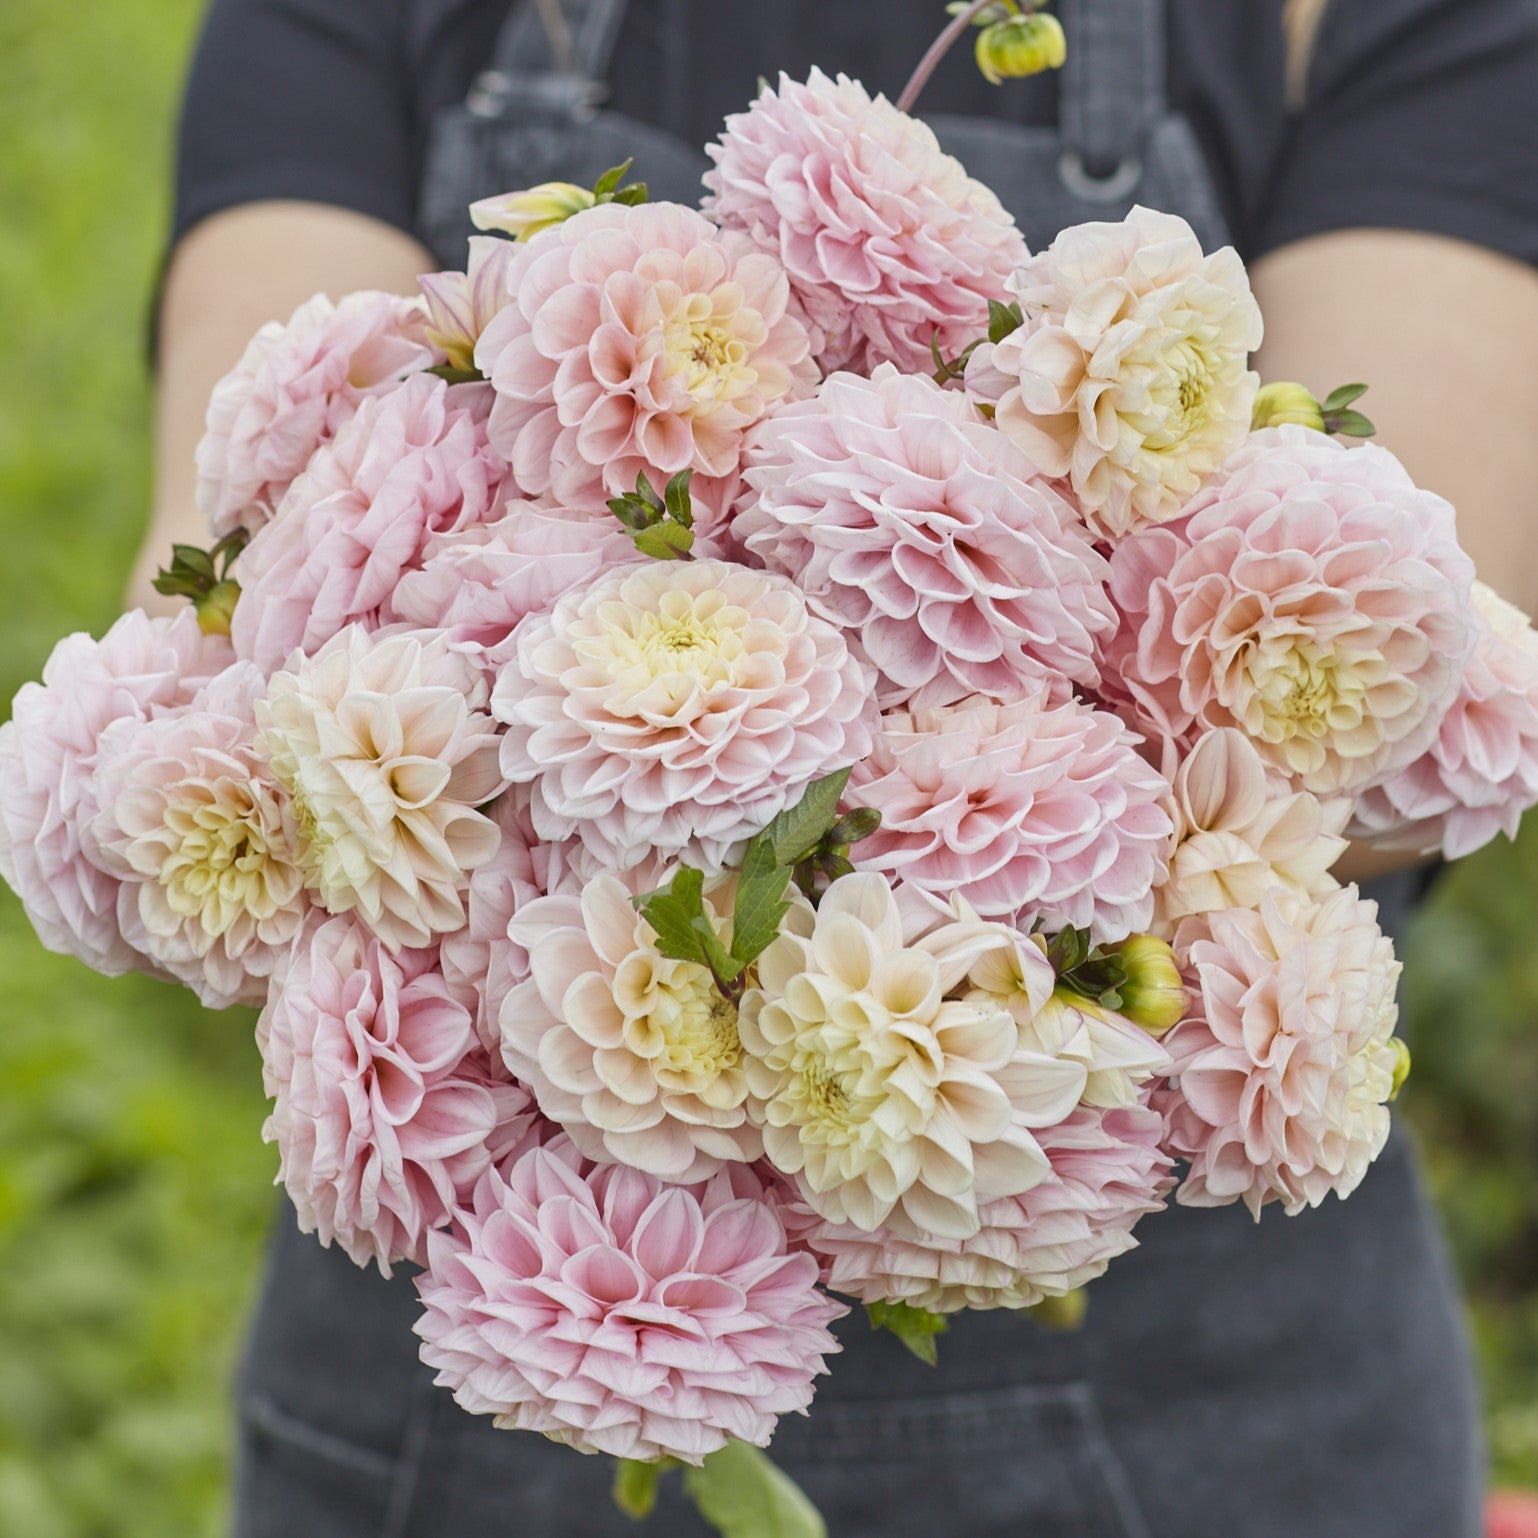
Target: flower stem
(938, 49)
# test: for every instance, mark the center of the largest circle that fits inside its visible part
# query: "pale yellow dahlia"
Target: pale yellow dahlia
(890, 1090)
(1130, 376)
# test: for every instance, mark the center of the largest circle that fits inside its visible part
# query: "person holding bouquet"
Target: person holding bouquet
(1376, 161)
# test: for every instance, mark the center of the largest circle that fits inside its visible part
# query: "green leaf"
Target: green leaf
(1003, 320)
(605, 185)
(631, 196)
(647, 493)
(726, 966)
(675, 498)
(671, 912)
(761, 904)
(1338, 400)
(1352, 423)
(799, 829)
(916, 1328)
(741, 1493)
(636, 1483)
(664, 541)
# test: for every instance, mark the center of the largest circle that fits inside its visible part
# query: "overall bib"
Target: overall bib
(1303, 1378)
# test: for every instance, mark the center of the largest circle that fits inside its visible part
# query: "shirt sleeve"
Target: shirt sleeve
(1421, 115)
(303, 99)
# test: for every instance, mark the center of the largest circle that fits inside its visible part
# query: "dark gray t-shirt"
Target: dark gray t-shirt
(1422, 114)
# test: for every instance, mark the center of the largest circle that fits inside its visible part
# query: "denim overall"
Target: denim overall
(1302, 1378)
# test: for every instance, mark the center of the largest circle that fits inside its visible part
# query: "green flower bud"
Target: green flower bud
(1062, 1314)
(1152, 992)
(1284, 403)
(522, 214)
(1021, 46)
(216, 607)
(1401, 1065)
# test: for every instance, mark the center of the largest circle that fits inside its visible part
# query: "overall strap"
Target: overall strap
(1112, 93)
(552, 58)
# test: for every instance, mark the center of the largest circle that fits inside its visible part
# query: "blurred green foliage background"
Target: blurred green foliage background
(134, 1187)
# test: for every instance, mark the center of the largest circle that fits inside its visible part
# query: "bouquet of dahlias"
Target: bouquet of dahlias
(772, 755)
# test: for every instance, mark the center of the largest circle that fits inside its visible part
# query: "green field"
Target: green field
(134, 1188)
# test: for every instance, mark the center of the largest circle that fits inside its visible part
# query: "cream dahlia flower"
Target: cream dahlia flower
(1318, 601)
(1037, 809)
(638, 340)
(677, 705)
(1282, 1074)
(1108, 1171)
(886, 238)
(637, 1056)
(1239, 833)
(893, 1093)
(197, 830)
(385, 752)
(460, 305)
(1130, 376)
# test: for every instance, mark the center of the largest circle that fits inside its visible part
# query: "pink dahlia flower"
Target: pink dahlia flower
(379, 1131)
(677, 705)
(386, 754)
(198, 832)
(478, 585)
(1040, 808)
(639, 340)
(141, 669)
(409, 465)
(1130, 377)
(621, 1315)
(1108, 1171)
(913, 525)
(636, 1055)
(294, 387)
(1282, 1073)
(885, 237)
(460, 305)
(1318, 601)
(1481, 773)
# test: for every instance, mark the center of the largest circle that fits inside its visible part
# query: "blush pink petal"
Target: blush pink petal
(617, 1314)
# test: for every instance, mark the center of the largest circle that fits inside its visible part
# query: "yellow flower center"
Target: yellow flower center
(223, 865)
(677, 1020)
(661, 661)
(1303, 691)
(709, 340)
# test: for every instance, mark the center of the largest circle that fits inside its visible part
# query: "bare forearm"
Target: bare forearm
(229, 276)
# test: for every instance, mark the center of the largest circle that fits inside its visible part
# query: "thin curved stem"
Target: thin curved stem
(938, 49)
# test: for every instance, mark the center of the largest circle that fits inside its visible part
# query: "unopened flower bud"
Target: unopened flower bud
(1152, 992)
(216, 607)
(1401, 1066)
(522, 214)
(1021, 46)
(1063, 1314)
(1286, 404)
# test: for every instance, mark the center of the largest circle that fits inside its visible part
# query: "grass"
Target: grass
(134, 1187)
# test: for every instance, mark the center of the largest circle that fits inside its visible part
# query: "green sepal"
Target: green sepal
(675, 498)
(1003, 319)
(1061, 1315)
(742, 1494)
(636, 1485)
(606, 184)
(1339, 399)
(1350, 424)
(916, 1328)
(453, 376)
